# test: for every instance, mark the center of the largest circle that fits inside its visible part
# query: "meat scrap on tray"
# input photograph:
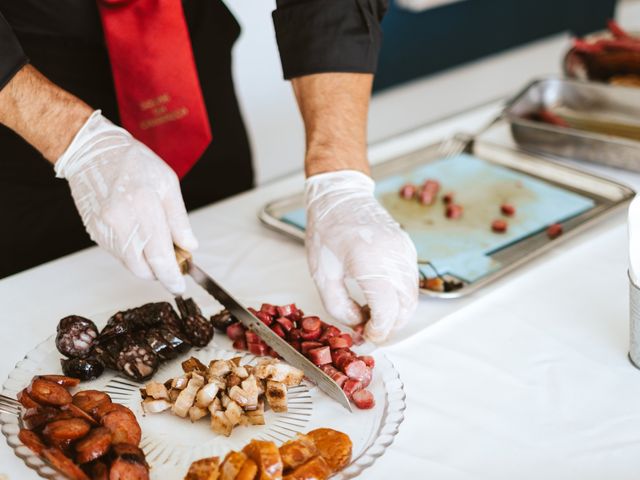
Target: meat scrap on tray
(82, 436)
(230, 393)
(315, 456)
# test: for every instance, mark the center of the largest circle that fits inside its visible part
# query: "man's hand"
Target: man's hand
(349, 234)
(129, 200)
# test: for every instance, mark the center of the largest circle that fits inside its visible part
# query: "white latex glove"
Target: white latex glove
(129, 200)
(634, 240)
(350, 235)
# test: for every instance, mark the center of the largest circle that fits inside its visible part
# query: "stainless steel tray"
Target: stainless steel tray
(607, 196)
(601, 107)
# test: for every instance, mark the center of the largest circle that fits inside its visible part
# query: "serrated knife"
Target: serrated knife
(244, 316)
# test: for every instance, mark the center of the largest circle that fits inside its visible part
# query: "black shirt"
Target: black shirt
(313, 36)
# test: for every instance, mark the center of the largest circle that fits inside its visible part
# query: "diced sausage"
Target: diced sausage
(343, 340)
(285, 323)
(350, 387)
(428, 192)
(240, 344)
(106, 408)
(277, 328)
(70, 429)
(258, 349)
(554, 231)
(235, 331)
(286, 310)
(328, 332)
(309, 345)
(264, 318)
(94, 445)
(368, 360)
(311, 324)
(63, 380)
(269, 309)
(48, 393)
(32, 441)
(320, 356)
(63, 464)
(123, 426)
(341, 357)
(355, 369)
(128, 464)
(363, 399)
(88, 400)
(25, 399)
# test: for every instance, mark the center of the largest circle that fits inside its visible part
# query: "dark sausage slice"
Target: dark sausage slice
(48, 393)
(25, 399)
(62, 380)
(102, 410)
(87, 400)
(70, 429)
(128, 464)
(98, 471)
(32, 440)
(77, 412)
(63, 464)
(124, 428)
(94, 445)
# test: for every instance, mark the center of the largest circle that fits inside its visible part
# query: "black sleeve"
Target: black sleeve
(12, 57)
(316, 36)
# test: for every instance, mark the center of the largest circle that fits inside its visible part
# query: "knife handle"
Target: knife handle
(183, 257)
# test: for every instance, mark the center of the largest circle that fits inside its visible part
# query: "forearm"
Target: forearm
(334, 107)
(45, 115)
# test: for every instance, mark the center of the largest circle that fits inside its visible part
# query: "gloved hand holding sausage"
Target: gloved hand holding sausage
(129, 200)
(350, 235)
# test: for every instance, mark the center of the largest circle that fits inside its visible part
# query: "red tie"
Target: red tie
(155, 77)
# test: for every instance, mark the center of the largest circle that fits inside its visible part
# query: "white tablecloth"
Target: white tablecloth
(527, 379)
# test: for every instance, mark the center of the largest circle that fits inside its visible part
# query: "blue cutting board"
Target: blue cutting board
(462, 247)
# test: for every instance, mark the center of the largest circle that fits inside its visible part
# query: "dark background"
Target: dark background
(417, 44)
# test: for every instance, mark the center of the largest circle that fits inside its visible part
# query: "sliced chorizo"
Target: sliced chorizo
(63, 464)
(32, 441)
(77, 412)
(35, 418)
(94, 445)
(128, 463)
(87, 400)
(26, 400)
(48, 393)
(98, 471)
(62, 380)
(124, 428)
(106, 408)
(69, 429)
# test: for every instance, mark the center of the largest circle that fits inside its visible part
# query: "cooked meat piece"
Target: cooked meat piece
(26, 400)
(233, 412)
(222, 320)
(267, 457)
(248, 471)
(335, 447)
(219, 368)
(149, 405)
(63, 464)
(97, 470)
(67, 382)
(32, 441)
(232, 465)
(196, 413)
(192, 364)
(77, 412)
(296, 452)
(137, 360)
(68, 429)
(238, 395)
(45, 392)
(215, 406)
(256, 417)
(187, 396)
(206, 395)
(180, 382)
(75, 336)
(240, 371)
(233, 380)
(276, 394)
(315, 469)
(88, 400)
(204, 469)
(220, 423)
(94, 445)
(128, 463)
(279, 372)
(82, 368)
(123, 426)
(157, 391)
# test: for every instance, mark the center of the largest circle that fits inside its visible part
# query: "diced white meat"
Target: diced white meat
(181, 382)
(157, 390)
(149, 405)
(238, 395)
(219, 368)
(256, 417)
(215, 406)
(276, 394)
(186, 398)
(224, 399)
(173, 394)
(206, 395)
(221, 424)
(253, 388)
(219, 381)
(240, 372)
(280, 372)
(196, 413)
(233, 413)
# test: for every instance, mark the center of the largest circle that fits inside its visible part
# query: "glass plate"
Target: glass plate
(172, 443)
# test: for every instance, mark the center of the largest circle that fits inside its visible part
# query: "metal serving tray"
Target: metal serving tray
(607, 196)
(598, 108)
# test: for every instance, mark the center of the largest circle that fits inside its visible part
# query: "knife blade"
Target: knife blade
(244, 316)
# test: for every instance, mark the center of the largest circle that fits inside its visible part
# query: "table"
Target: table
(526, 379)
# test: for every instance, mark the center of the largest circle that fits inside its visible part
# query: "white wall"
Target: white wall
(273, 120)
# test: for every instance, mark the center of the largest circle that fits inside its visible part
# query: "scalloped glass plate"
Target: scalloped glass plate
(172, 443)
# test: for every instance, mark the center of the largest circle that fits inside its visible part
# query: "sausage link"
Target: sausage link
(25, 399)
(70, 429)
(77, 412)
(128, 464)
(48, 393)
(87, 400)
(35, 418)
(62, 380)
(94, 445)
(32, 440)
